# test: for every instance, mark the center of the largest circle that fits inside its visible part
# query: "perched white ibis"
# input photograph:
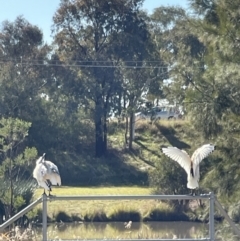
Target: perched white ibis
(46, 174)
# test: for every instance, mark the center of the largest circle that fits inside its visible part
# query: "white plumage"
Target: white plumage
(190, 164)
(46, 173)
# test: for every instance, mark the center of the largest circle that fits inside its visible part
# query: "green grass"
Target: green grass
(149, 138)
(107, 210)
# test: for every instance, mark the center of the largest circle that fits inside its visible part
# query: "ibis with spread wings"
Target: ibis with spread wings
(190, 164)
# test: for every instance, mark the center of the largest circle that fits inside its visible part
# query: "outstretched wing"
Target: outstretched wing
(201, 153)
(55, 179)
(53, 174)
(52, 167)
(179, 156)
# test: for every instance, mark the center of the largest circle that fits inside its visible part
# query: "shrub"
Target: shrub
(125, 216)
(35, 216)
(96, 216)
(168, 178)
(162, 215)
(62, 217)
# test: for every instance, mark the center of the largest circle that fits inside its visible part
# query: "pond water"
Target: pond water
(120, 230)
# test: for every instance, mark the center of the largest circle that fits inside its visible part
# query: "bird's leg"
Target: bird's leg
(50, 189)
(198, 192)
(191, 193)
(194, 192)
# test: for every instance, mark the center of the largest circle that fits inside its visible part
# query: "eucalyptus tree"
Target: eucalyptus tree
(94, 37)
(22, 73)
(178, 47)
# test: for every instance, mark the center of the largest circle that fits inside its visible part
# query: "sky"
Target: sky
(40, 12)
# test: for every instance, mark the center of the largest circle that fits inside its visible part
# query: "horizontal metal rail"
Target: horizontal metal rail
(20, 214)
(128, 197)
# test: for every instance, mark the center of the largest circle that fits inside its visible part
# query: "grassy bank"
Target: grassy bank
(122, 167)
(109, 210)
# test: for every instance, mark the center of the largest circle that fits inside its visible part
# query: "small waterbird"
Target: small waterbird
(128, 225)
(190, 164)
(46, 173)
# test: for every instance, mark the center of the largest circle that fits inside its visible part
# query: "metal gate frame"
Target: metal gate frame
(209, 196)
(44, 199)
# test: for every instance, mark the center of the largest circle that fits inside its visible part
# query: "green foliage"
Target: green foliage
(168, 177)
(166, 215)
(16, 187)
(13, 132)
(19, 202)
(22, 74)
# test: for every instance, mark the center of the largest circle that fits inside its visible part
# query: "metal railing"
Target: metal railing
(20, 214)
(44, 199)
(146, 197)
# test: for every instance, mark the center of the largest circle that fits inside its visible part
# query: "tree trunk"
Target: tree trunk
(11, 184)
(131, 130)
(7, 208)
(99, 150)
(124, 106)
(120, 105)
(99, 139)
(133, 126)
(105, 134)
(126, 131)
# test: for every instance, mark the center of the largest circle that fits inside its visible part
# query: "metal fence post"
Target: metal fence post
(211, 217)
(44, 217)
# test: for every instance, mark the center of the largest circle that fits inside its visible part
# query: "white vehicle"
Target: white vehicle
(159, 113)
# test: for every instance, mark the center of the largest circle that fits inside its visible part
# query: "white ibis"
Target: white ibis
(46, 173)
(190, 164)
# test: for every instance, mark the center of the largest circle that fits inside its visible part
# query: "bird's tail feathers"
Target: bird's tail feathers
(192, 182)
